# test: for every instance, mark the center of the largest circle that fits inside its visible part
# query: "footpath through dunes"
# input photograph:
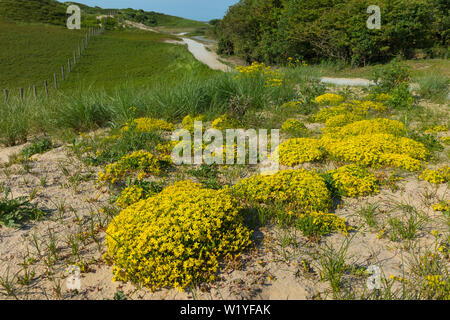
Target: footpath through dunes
(198, 49)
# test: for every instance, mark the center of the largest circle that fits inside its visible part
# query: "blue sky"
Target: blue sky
(202, 10)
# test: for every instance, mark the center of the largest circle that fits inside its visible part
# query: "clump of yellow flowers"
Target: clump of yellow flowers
(372, 126)
(294, 126)
(256, 69)
(224, 122)
(176, 238)
(140, 163)
(188, 122)
(297, 151)
(437, 129)
(329, 99)
(377, 150)
(149, 124)
(353, 181)
(129, 196)
(313, 224)
(442, 206)
(441, 175)
(341, 120)
(302, 189)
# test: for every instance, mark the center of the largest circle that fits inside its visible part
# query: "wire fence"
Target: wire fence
(60, 75)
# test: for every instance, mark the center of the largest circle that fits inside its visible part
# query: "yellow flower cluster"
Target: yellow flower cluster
(371, 105)
(292, 104)
(305, 190)
(149, 124)
(296, 151)
(377, 150)
(224, 122)
(353, 181)
(372, 126)
(439, 286)
(293, 126)
(437, 129)
(176, 238)
(141, 163)
(321, 223)
(351, 109)
(326, 113)
(329, 99)
(341, 120)
(442, 206)
(129, 196)
(446, 140)
(188, 122)
(383, 97)
(441, 175)
(260, 69)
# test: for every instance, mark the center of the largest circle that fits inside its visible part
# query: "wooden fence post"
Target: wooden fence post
(46, 87)
(63, 77)
(56, 81)
(5, 91)
(35, 91)
(21, 94)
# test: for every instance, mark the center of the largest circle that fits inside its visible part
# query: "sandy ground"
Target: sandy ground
(271, 269)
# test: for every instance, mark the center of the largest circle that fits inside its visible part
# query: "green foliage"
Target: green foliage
(143, 59)
(15, 212)
(44, 11)
(208, 175)
(391, 76)
(434, 87)
(26, 61)
(37, 147)
(273, 30)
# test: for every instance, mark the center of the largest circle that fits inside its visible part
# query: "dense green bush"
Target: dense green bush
(273, 30)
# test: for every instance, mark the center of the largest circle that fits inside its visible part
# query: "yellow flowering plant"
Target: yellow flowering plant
(353, 181)
(297, 151)
(315, 224)
(176, 238)
(140, 163)
(304, 190)
(294, 127)
(329, 99)
(377, 150)
(149, 125)
(439, 176)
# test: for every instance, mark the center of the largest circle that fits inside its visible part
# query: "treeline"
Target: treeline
(315, 30)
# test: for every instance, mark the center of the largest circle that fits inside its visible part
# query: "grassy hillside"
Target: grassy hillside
(31, 53)
(44, 11)
(35, 44)
(138, 58)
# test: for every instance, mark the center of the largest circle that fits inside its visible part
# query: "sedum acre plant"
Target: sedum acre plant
(140, 163)
(439, 176)
(353, 181)
(304, 190)
(330, 99)
(377, 150)
(296, 151)
(294, 127)
(176, 238)
(149, 125)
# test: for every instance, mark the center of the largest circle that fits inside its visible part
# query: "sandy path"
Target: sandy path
(210, 58)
